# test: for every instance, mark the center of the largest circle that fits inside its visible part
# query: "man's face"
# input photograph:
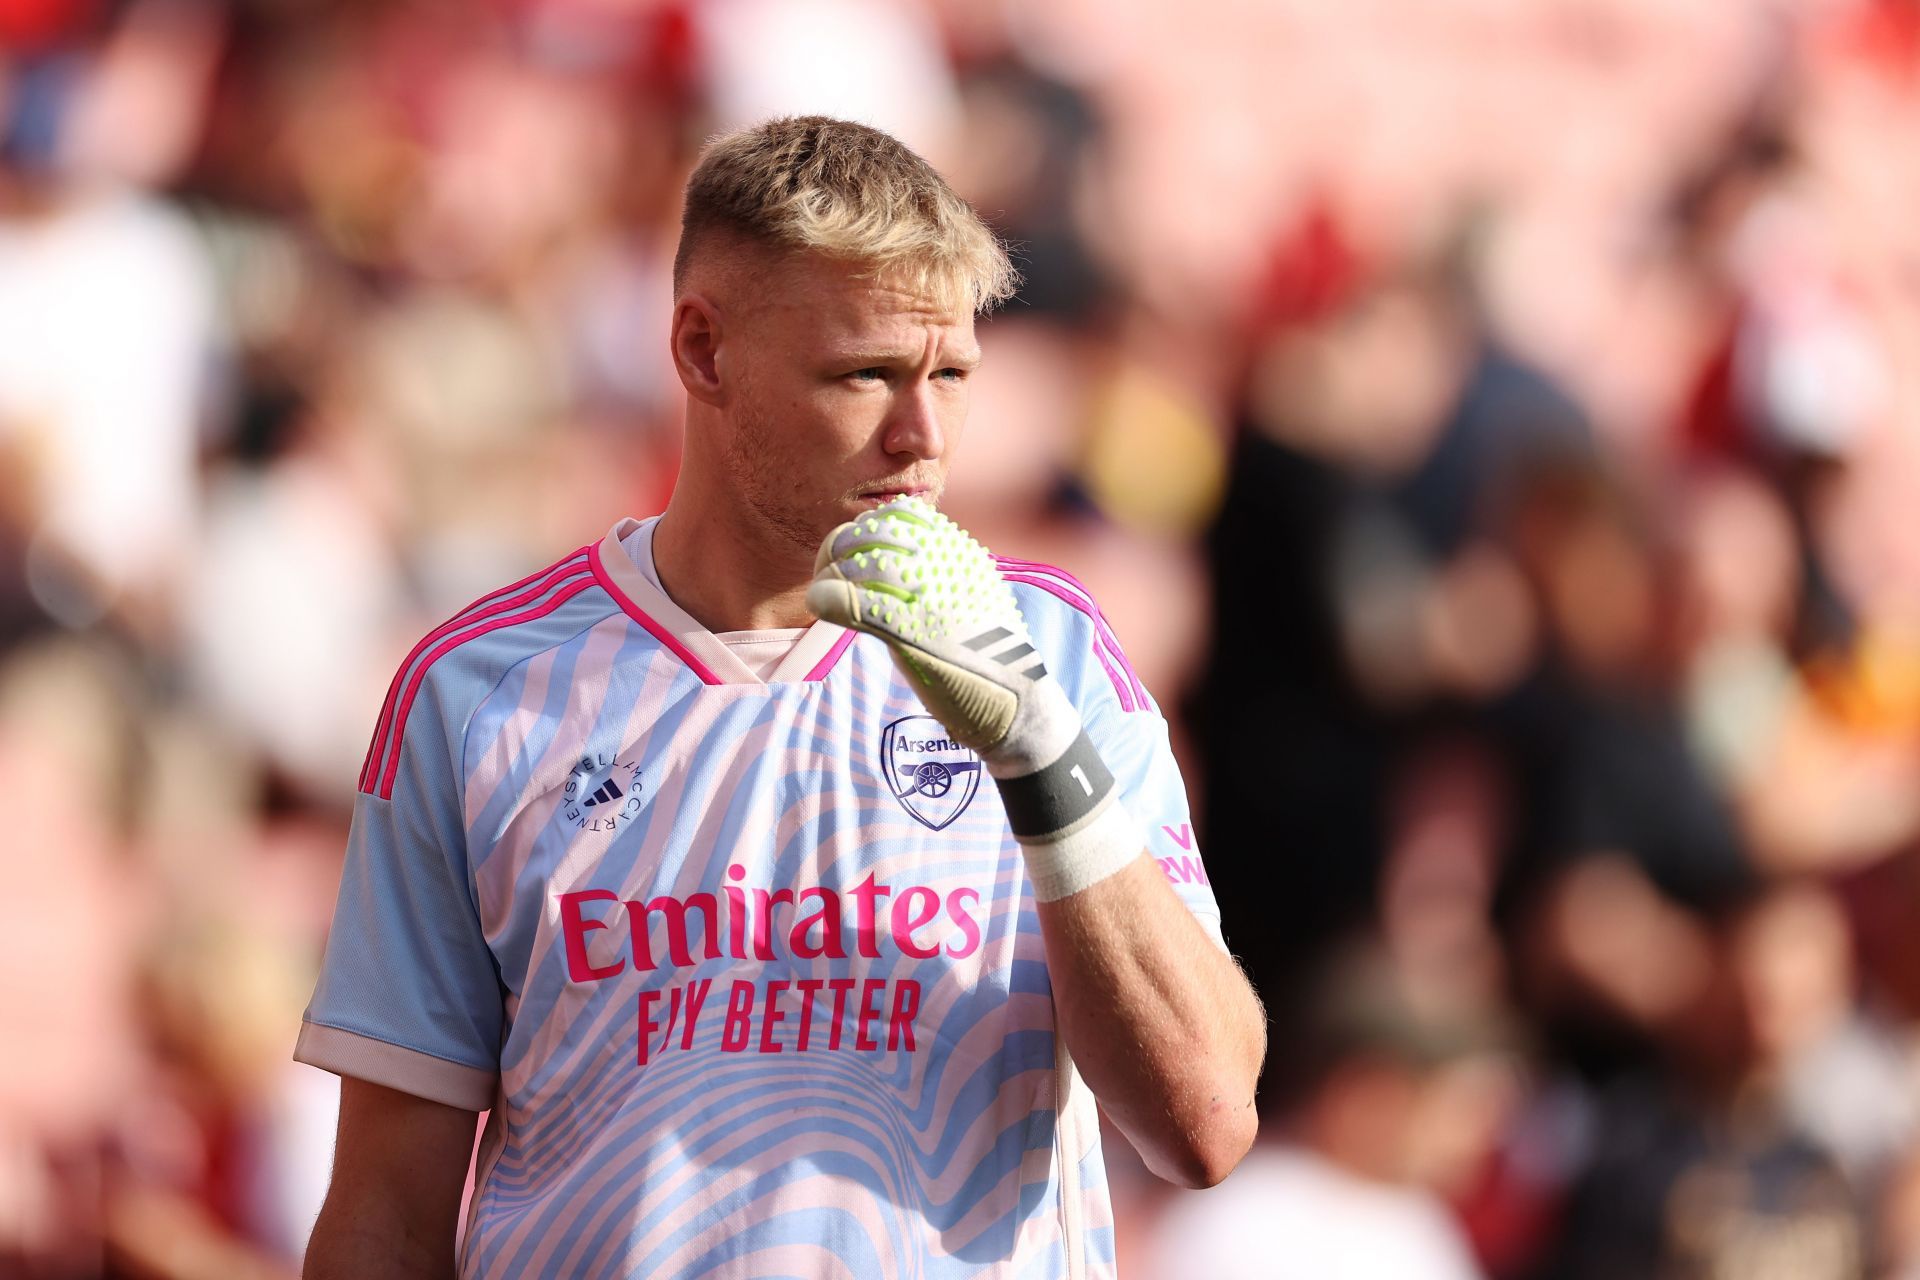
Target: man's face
(841, 393)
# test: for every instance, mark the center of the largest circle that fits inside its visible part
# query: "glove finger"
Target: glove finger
(882, 531)
(826, 554)
(896, 577)
(878, 608)
(835, 600)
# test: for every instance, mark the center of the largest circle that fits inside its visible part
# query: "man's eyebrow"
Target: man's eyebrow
(871, 355)
(861, 357)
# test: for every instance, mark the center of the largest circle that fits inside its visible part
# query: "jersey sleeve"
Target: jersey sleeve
(409, 995)
(1124, 724)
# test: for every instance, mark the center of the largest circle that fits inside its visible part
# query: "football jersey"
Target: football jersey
(748, 972)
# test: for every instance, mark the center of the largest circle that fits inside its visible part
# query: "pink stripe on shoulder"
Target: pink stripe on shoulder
(492, 603)
(1099, 617)
(1065, 587)
(1051, 570)
(567, 591)
(641, 616)
(1120, 686)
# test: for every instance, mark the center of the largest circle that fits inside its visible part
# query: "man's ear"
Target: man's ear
(695, 342)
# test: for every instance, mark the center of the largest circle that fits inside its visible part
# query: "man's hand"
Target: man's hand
(911, 576)
(1157, 1018)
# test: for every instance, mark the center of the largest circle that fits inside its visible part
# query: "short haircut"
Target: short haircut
(847, 191)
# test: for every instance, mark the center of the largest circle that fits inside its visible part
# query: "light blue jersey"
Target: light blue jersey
(748, 972)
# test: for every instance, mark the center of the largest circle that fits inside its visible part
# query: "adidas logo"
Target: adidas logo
(615, 801)
(609, 790)
(1010, 655)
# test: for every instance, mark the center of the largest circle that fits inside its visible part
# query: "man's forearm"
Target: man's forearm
(1159, 1020)
(371, 1243)
(393, 1209)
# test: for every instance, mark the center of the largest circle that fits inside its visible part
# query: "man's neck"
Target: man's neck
(730, 574)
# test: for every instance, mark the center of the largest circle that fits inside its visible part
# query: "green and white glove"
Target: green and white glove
(909, 575)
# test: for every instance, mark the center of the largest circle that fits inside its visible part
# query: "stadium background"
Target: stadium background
(1491, 425)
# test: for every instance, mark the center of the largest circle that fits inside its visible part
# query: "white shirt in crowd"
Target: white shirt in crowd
(1288, 1214)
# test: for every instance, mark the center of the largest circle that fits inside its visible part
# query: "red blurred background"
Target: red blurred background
(1492, 426)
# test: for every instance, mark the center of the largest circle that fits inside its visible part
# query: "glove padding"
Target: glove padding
(914, 578)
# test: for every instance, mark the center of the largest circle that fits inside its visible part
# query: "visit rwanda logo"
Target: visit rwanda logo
(602, 793)
(932, 776)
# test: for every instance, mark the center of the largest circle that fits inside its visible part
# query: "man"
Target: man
(1344, 1181)
(709, 901)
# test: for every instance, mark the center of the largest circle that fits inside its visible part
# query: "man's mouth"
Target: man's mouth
(890, 493)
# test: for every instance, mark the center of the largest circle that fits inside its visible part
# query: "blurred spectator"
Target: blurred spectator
(1358, 574)
(1340, 1183)
(107, 320)
(861, 60)
(1601, 757)
(1760, 1144)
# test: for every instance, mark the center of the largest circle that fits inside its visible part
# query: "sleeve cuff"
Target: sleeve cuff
(347, 1053)
(1210, 922)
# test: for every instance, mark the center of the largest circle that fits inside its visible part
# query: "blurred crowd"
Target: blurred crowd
(1492, 426)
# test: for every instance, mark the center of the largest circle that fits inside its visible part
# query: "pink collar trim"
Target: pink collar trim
(813, 658)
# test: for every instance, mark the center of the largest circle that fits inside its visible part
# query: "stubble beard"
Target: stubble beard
(786, 514)
(782, 511)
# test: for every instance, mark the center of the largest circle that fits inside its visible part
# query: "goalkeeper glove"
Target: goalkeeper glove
(909, 575)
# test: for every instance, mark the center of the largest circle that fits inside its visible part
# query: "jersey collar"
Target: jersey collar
(812, 658)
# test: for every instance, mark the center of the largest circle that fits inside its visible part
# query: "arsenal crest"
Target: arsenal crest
(932, 776)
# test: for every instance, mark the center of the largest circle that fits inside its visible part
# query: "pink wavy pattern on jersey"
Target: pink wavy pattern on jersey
(799, 1260)
(598, 645)
(602, 1047)
(613, 1140)
(495, 763)
(495, 602)
(606, 1172)
(1063, 585)
(567, 590)
(862, 1208)
(747, 1164)
(497, 877)
(553, 1035)
(592, 1037)
(673, 795)
(539, 1201)
(502, 870)
(646, 620)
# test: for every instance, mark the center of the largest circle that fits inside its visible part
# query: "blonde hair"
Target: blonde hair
(847, 191)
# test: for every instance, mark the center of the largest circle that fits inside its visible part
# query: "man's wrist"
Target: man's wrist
(1084, 854)
(1062, 802)
(1058, 796)
(1044, 729)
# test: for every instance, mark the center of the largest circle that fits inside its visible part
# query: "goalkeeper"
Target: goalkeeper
(785, 876)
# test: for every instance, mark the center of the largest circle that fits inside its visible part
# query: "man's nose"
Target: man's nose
(913, 428)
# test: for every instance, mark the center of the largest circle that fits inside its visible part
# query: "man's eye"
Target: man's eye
(952, 375)
(874, 374)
